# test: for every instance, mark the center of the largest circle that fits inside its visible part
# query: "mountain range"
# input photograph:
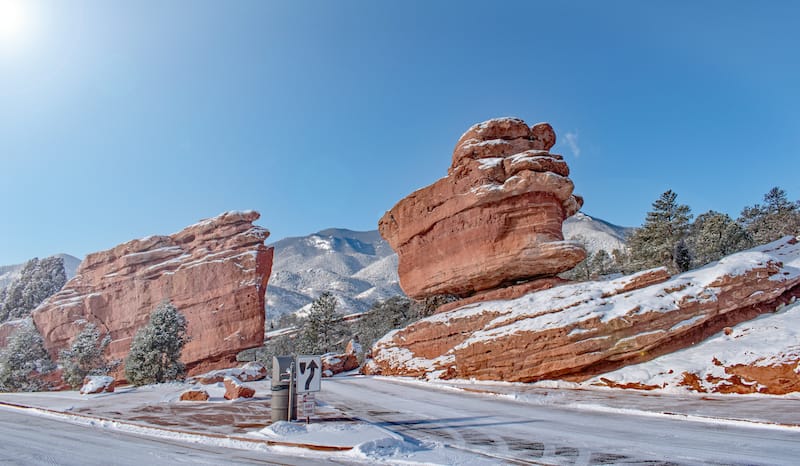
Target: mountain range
(359, 267)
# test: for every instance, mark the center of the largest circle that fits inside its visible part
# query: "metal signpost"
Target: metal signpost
(294, 382)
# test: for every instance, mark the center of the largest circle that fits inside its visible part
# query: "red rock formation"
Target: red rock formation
(235, 390)
(194, 395)
(576, 331)
(495, 220)
(215, 272)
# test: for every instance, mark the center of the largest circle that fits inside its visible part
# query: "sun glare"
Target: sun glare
(14, 23)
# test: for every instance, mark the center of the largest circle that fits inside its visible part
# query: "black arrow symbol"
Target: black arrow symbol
(313, 366)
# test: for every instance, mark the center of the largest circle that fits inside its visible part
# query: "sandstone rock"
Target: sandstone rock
(97, 384)
(338, 363)
(494, 221)
(250, 372)
(576, 331)
(235, 390)
(215, 272)
(194, 395)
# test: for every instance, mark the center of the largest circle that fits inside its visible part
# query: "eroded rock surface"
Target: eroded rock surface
(215, 272)
(576, 331)
(494, 220)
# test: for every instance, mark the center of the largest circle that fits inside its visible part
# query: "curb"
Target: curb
(140, 428)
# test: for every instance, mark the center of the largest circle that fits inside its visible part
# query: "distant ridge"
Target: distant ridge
(359, 267)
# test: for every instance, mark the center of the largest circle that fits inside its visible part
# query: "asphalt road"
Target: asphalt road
(515, 432)
(34, 440)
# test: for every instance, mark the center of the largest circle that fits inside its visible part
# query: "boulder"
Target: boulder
(577, 331)
(494, 221)
(338, 363)
(194, 395)
(250, 372)
(215, 272)
(97, 384)
(235, 390)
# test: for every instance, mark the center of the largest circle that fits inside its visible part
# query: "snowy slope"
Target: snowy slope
(769, 340)
(9, 273)
(358, 267)
(596, 234)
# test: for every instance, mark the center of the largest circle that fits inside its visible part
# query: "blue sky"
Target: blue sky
(124, 119)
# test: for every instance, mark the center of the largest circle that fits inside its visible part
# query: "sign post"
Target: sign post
(309, 374)
(309, 380)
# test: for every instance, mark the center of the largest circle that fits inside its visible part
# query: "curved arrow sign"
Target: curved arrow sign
(309, 374)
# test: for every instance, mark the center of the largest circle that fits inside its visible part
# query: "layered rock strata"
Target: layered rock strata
(215, 272)
(494, 220)
(576, 331)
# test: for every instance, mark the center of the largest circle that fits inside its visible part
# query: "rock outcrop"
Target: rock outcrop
(215, 272)
(494, 220)
(576, 331)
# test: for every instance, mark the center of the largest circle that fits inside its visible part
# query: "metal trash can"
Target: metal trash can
(280, 403)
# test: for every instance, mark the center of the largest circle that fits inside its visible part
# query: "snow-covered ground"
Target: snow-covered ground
(370, 420)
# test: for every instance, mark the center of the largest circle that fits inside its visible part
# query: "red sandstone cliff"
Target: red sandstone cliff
(215, 272)
(493, 221)
(577, 331)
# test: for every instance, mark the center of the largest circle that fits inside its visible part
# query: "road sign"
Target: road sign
(307, 405)
(309, 374)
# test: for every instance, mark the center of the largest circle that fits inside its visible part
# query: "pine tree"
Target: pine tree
(384, 316)
(23, 360)
(323, 331)
(655, 243)
(715, 235)
(778, 217)
(85, 356)
(155, 353)
(38, 280)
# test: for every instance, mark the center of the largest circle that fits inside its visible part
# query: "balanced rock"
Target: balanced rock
(215, 272)
(494, 221)
(580, 330)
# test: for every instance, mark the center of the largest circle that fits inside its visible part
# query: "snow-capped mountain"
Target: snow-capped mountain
(10, 272)
(594, 233)
(360, 268)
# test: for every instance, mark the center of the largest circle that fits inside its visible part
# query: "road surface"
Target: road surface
(34, 440)
(511, 431)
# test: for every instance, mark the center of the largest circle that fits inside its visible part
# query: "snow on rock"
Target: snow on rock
(758, 356)
(495, 220)
(97, 384)
(235, 390)
(250, 372)
(577, 331)
(194, 395)
(215, 272)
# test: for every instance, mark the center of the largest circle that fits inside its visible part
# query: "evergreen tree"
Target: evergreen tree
(156, 349)
(682, 256)
(85, 356)
(602, 264)
(655, 243)
(384, 316)
(715, 235)
(38, 280)
(324, 330)
(23, 360)
(778, 217)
